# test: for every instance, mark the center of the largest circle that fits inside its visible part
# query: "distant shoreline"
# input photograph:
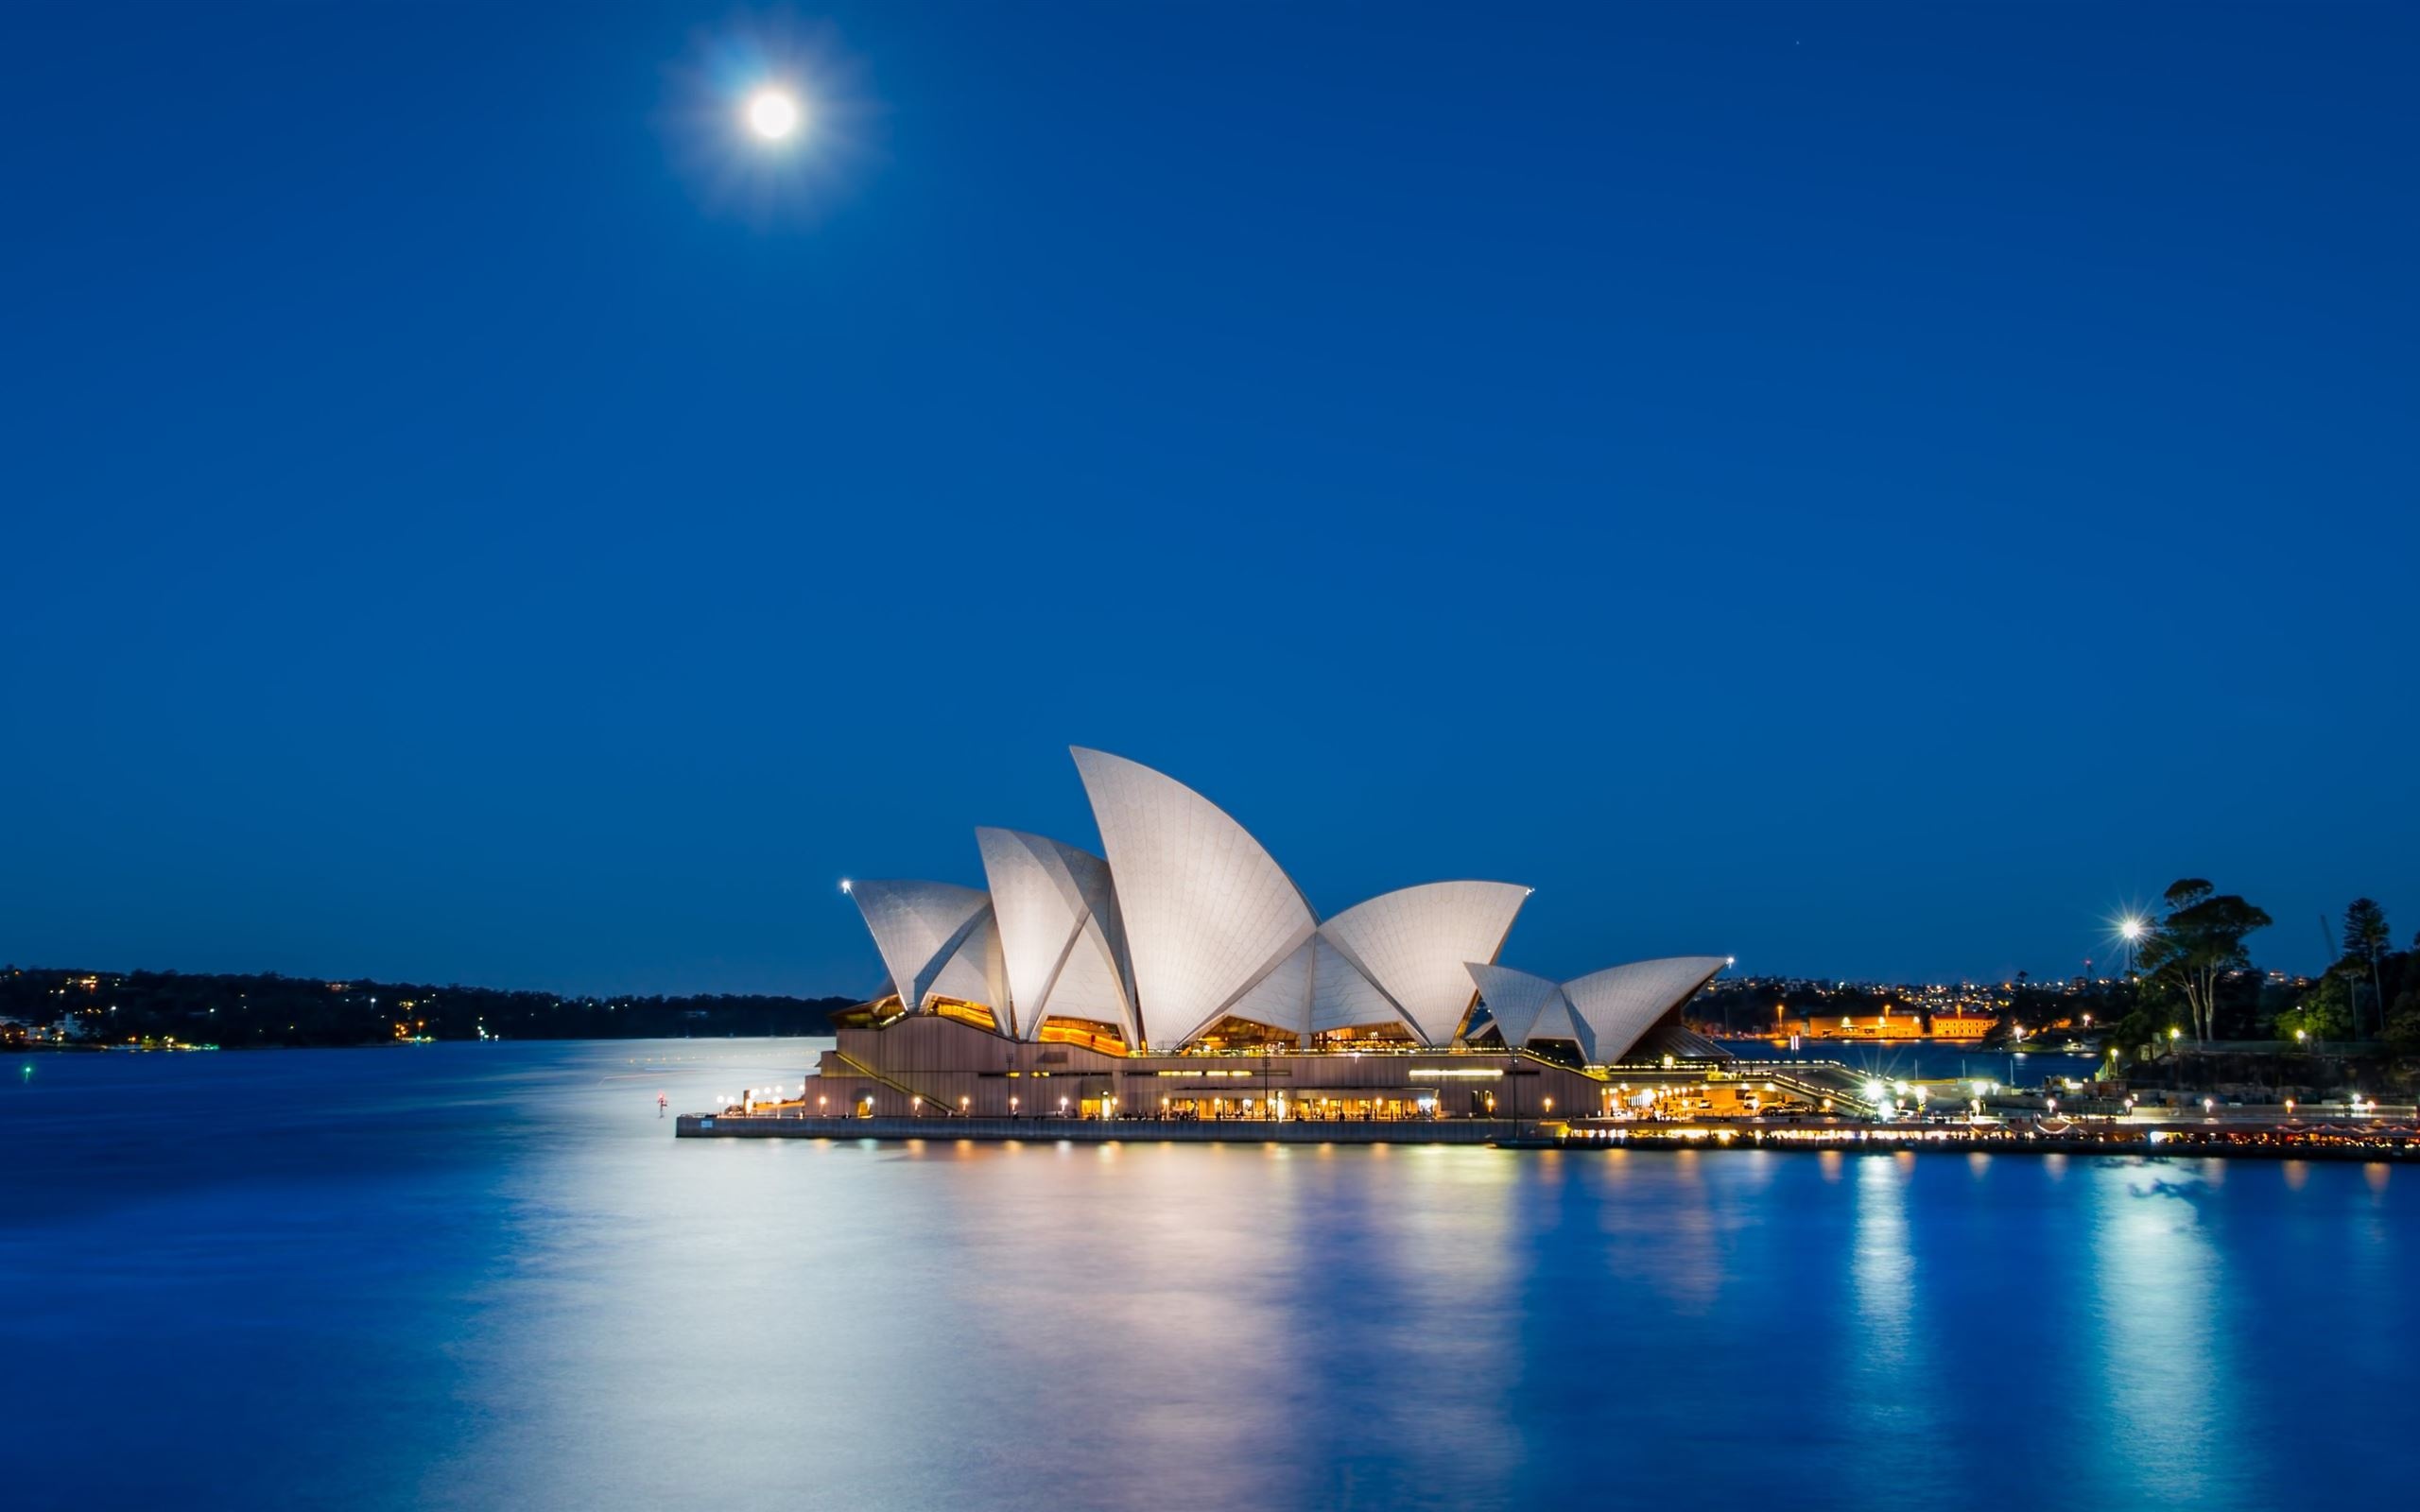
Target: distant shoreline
(52, 1047)
(68, 1008)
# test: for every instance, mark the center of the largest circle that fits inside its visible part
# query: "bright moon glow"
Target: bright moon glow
(772, 114)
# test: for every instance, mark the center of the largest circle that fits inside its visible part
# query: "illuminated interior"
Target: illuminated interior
(1106, 1038)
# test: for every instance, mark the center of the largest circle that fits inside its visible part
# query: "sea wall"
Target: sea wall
(1098, 1131)
(2242, 1142)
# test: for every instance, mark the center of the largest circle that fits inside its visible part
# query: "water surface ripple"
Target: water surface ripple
(478, 1276)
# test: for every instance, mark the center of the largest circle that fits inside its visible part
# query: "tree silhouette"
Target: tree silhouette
(2367, 939)
(2199, 941)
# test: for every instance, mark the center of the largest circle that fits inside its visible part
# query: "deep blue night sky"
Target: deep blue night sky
(1871, 493)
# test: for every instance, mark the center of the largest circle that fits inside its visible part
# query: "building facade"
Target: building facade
(1188, 939)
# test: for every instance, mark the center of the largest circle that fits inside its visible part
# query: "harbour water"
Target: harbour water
(474, 1276)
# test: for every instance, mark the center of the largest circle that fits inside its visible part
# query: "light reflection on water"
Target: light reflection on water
(2166, 1368)
(477, 1275)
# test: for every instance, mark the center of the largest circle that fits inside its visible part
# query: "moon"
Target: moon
(773, 114)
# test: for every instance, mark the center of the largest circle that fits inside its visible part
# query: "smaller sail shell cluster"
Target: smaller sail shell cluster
(1188, 922)
(1604, 1012)
(937, 939)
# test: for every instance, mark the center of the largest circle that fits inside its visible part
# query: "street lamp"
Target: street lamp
(2131, 929)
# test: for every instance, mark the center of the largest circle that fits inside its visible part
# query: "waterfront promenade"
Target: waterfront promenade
(2346, 1139)
(791, 1126)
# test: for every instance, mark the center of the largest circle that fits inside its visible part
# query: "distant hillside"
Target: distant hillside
(268, 1009)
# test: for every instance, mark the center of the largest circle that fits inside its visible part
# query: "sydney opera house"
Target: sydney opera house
(1184, 975)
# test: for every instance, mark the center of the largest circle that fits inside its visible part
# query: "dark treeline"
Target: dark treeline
(109, 1008)
(2199, 983)
(2195, 984)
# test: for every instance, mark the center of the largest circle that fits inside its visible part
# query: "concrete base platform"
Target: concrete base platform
(2121, 1139)
(1098, 1131)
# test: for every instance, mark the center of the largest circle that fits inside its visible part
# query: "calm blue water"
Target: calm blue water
(487, 1275)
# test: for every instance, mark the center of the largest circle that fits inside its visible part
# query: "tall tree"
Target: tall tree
(2199, 941)
(2367, 939)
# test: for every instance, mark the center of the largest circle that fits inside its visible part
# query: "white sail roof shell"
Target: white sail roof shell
(1316, 989)
(975, 972)
(1623, 1002)
(1281, 999)
(1414, 945)
(1090, 987)
(1342, 996)
(919, 927)
(1523, 1006)
(1057, 923)
(1205, 909)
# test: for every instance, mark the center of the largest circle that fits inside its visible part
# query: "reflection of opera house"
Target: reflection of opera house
(1187, 977)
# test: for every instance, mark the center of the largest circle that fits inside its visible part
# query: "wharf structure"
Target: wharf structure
(933, 1067)
(1183, 977)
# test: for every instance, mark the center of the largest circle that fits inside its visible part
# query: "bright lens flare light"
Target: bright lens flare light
(773, 114)
(2131, 928)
